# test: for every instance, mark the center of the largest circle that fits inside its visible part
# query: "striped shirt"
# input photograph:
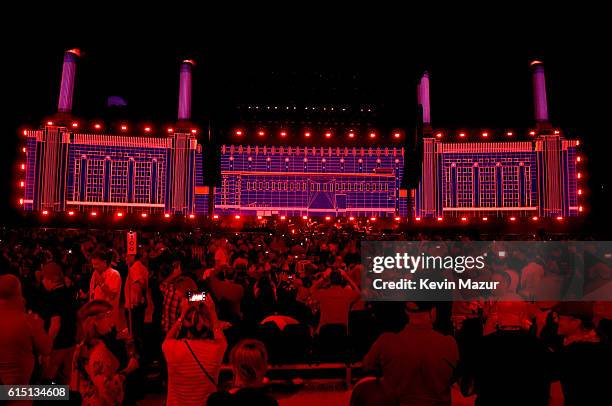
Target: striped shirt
(187, 383)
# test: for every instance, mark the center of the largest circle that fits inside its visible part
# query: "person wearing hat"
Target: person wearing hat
(418, 364)
(102, 361)
(584, 361)
(22, 335)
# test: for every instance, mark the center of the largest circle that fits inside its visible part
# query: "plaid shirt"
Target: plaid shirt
(171, 309)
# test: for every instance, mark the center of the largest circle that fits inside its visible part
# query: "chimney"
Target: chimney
(423, 101)
(184, 107)
(539, 93)
(67, 87)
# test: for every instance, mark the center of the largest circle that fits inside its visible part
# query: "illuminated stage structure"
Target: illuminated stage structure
(68, 170)
(317, 181)
(265, 170)
(536, 177)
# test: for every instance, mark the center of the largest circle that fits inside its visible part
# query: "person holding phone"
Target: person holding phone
(194, 349)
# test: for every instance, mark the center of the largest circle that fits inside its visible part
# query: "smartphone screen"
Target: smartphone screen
(196, 296)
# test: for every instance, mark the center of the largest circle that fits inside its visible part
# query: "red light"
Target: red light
(261, 133)
(49, 122)
(327, 218)
(24, 149)
(194, 131)
(512, 218)
(351, 134)
(485, 218)
(147, 129)
(578, 175)
(397, 219)
(124, 128)
(328, 135)
(559, 218)
(192, 216)
(439, 135)
(509, 134)
(23, 168)
(556, 131)
(45, 212)
(94, 214)
(463, 218)
(215, 216)
(143, 215)
(580, 209)
(22, 184)
(283, 133)
(578, 159)
(25, 132)
(485, 134)
(75, 125)
(71, 213)
(351, 218)
(167, 215)
(119, 214)
(396, 135)
(579, 190)
(372, 218)
(237, 217)
(461, 135)
(534, 218)
(20, 201)
(577, 142)
(532, 133)
(440, 219)
(170, 130)
(307, 134)
(238, 132)
(282, 217)
(259, 217)
(97, 126)
(417, 218)
(305, 217)
(372, 135)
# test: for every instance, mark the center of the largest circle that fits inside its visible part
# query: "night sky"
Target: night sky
(479, 69)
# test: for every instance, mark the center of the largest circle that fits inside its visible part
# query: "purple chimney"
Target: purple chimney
(67, 87)
(423, 98)
(184, 107)
(539, 92)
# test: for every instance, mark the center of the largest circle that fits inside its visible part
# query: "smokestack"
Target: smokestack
(423, 98)
(184, 107)
(67, 87)
(539, 92)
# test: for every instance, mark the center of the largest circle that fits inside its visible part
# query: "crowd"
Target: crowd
(77, 309)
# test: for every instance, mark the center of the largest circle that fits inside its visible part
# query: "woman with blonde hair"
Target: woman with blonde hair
(249, 361)
(101, 359)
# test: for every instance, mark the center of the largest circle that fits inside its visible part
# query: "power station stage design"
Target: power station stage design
(67, 169)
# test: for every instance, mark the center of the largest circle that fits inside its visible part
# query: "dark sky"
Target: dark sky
(479, 67)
